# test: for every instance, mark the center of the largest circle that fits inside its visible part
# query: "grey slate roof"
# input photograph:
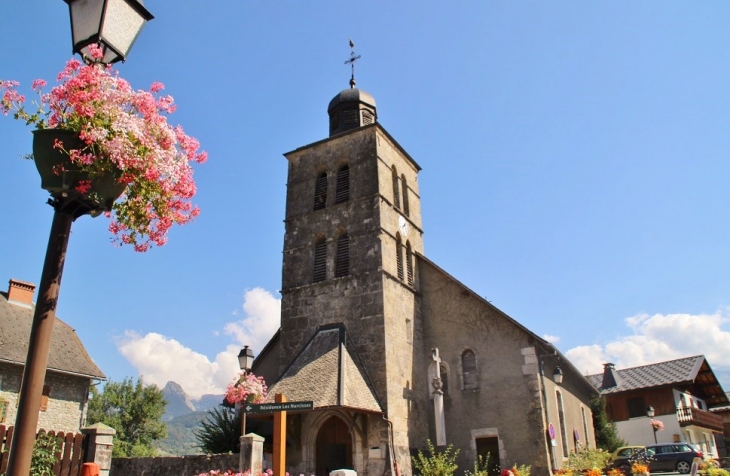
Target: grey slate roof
(67, 354)
(673, 373)
(328, 372)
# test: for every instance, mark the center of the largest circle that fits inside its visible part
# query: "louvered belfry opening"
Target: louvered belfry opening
(320, 192)
(409, 263)
(319, 270)
(342, 191)
(399, 256)
(342, 259)
(406, 210)
(396, 189)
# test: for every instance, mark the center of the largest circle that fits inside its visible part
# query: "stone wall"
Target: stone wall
(173, 465)
(66, 409)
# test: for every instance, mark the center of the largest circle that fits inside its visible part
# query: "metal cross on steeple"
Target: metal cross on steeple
(351, 62)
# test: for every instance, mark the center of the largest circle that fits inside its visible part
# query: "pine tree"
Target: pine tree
(606, 434)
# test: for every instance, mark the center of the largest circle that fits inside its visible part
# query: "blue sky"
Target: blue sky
(574, 155)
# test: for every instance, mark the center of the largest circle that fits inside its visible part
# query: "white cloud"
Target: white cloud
(551, 338)
(657, 338)
(160, 359)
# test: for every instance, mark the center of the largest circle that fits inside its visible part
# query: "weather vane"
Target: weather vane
(351, 62)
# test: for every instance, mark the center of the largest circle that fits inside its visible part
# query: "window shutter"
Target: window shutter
(406, 210)
(342, 192)
(342, 260)
(320, 192)
(409, 263)
(399, 256)
(396, 189)
(320, 262)
(44, 398)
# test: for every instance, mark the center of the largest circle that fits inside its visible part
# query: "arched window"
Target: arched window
(342, 191)
(342, 258)
(409, 263)
(406, 210)
(469, 370)
(399, 256)
(396, 189)
(320, 191)
(319, 268)
(563, 429)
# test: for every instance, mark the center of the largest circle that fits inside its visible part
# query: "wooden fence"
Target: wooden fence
(70, 455)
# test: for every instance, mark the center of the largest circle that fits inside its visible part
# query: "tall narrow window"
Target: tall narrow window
(469, 370)
(399, 256)
(319, 270)
(342, 191)
(409, 263)
(396, 189)
(406, 210)
(342, 258)
(320, 192)
(563, 429)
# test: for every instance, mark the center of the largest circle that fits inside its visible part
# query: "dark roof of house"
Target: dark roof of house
(328, 372)
(673, 373)
(67, 354)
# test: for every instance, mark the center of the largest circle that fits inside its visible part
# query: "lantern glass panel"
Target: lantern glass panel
(86, 19)
(122, 24)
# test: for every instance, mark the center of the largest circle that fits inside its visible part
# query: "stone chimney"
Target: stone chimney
(21, 292)
(610, 377)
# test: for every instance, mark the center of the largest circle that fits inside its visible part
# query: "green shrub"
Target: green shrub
(587, 459)
(481, 467)
(44, 455)
(437, 463)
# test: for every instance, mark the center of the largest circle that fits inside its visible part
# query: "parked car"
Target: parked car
(624, 452)
(661, 457)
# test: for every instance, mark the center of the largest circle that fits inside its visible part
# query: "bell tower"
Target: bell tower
(353, 229)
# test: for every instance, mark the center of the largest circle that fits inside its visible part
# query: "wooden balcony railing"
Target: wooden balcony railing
(695, 416)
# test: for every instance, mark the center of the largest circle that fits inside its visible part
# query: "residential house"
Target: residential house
(70, 369)
(723, 441)
(681, 393)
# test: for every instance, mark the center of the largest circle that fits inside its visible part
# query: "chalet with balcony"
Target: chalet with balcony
(664, 402)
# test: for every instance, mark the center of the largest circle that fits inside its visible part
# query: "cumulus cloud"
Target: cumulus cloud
(160, 359)
(551, 338)
(659, 337)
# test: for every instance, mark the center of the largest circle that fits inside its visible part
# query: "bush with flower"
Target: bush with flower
(657, 425)
(125, 134)
(639, 468)
(248, 388)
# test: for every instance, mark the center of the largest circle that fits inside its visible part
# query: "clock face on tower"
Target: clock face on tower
(403, 226)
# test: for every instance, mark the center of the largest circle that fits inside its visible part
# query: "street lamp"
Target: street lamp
(650, 413)
(116, 31)
(245, 361)
(112, 24)
(558, 379)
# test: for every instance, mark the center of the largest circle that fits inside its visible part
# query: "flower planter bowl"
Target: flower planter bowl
(60, 176)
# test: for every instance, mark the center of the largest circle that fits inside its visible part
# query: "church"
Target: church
(392, 349)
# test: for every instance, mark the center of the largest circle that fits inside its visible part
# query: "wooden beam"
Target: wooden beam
(279, 462)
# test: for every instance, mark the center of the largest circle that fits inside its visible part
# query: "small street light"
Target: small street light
(113, 24)
(650, 413)
(245, 361)
(558, 375)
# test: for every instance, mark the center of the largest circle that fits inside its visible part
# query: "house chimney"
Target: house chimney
(610, 377)
(21, 292)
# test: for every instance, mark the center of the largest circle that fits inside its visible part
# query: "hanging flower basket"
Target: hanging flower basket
(77, 192)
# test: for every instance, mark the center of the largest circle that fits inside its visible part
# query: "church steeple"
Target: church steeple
(351, 108)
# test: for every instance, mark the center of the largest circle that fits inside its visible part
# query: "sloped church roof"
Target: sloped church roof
(328, 372)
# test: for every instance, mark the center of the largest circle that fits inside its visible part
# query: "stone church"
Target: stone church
(393, 350)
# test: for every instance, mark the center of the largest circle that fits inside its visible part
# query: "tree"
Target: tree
(134, 411)
(220, 431)
(606, 434)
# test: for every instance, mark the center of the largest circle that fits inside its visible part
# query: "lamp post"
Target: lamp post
(558, 379)
(245, 361)
(114, 24)
(650, 413)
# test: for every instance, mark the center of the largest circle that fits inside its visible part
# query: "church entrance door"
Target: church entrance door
(334, 447)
